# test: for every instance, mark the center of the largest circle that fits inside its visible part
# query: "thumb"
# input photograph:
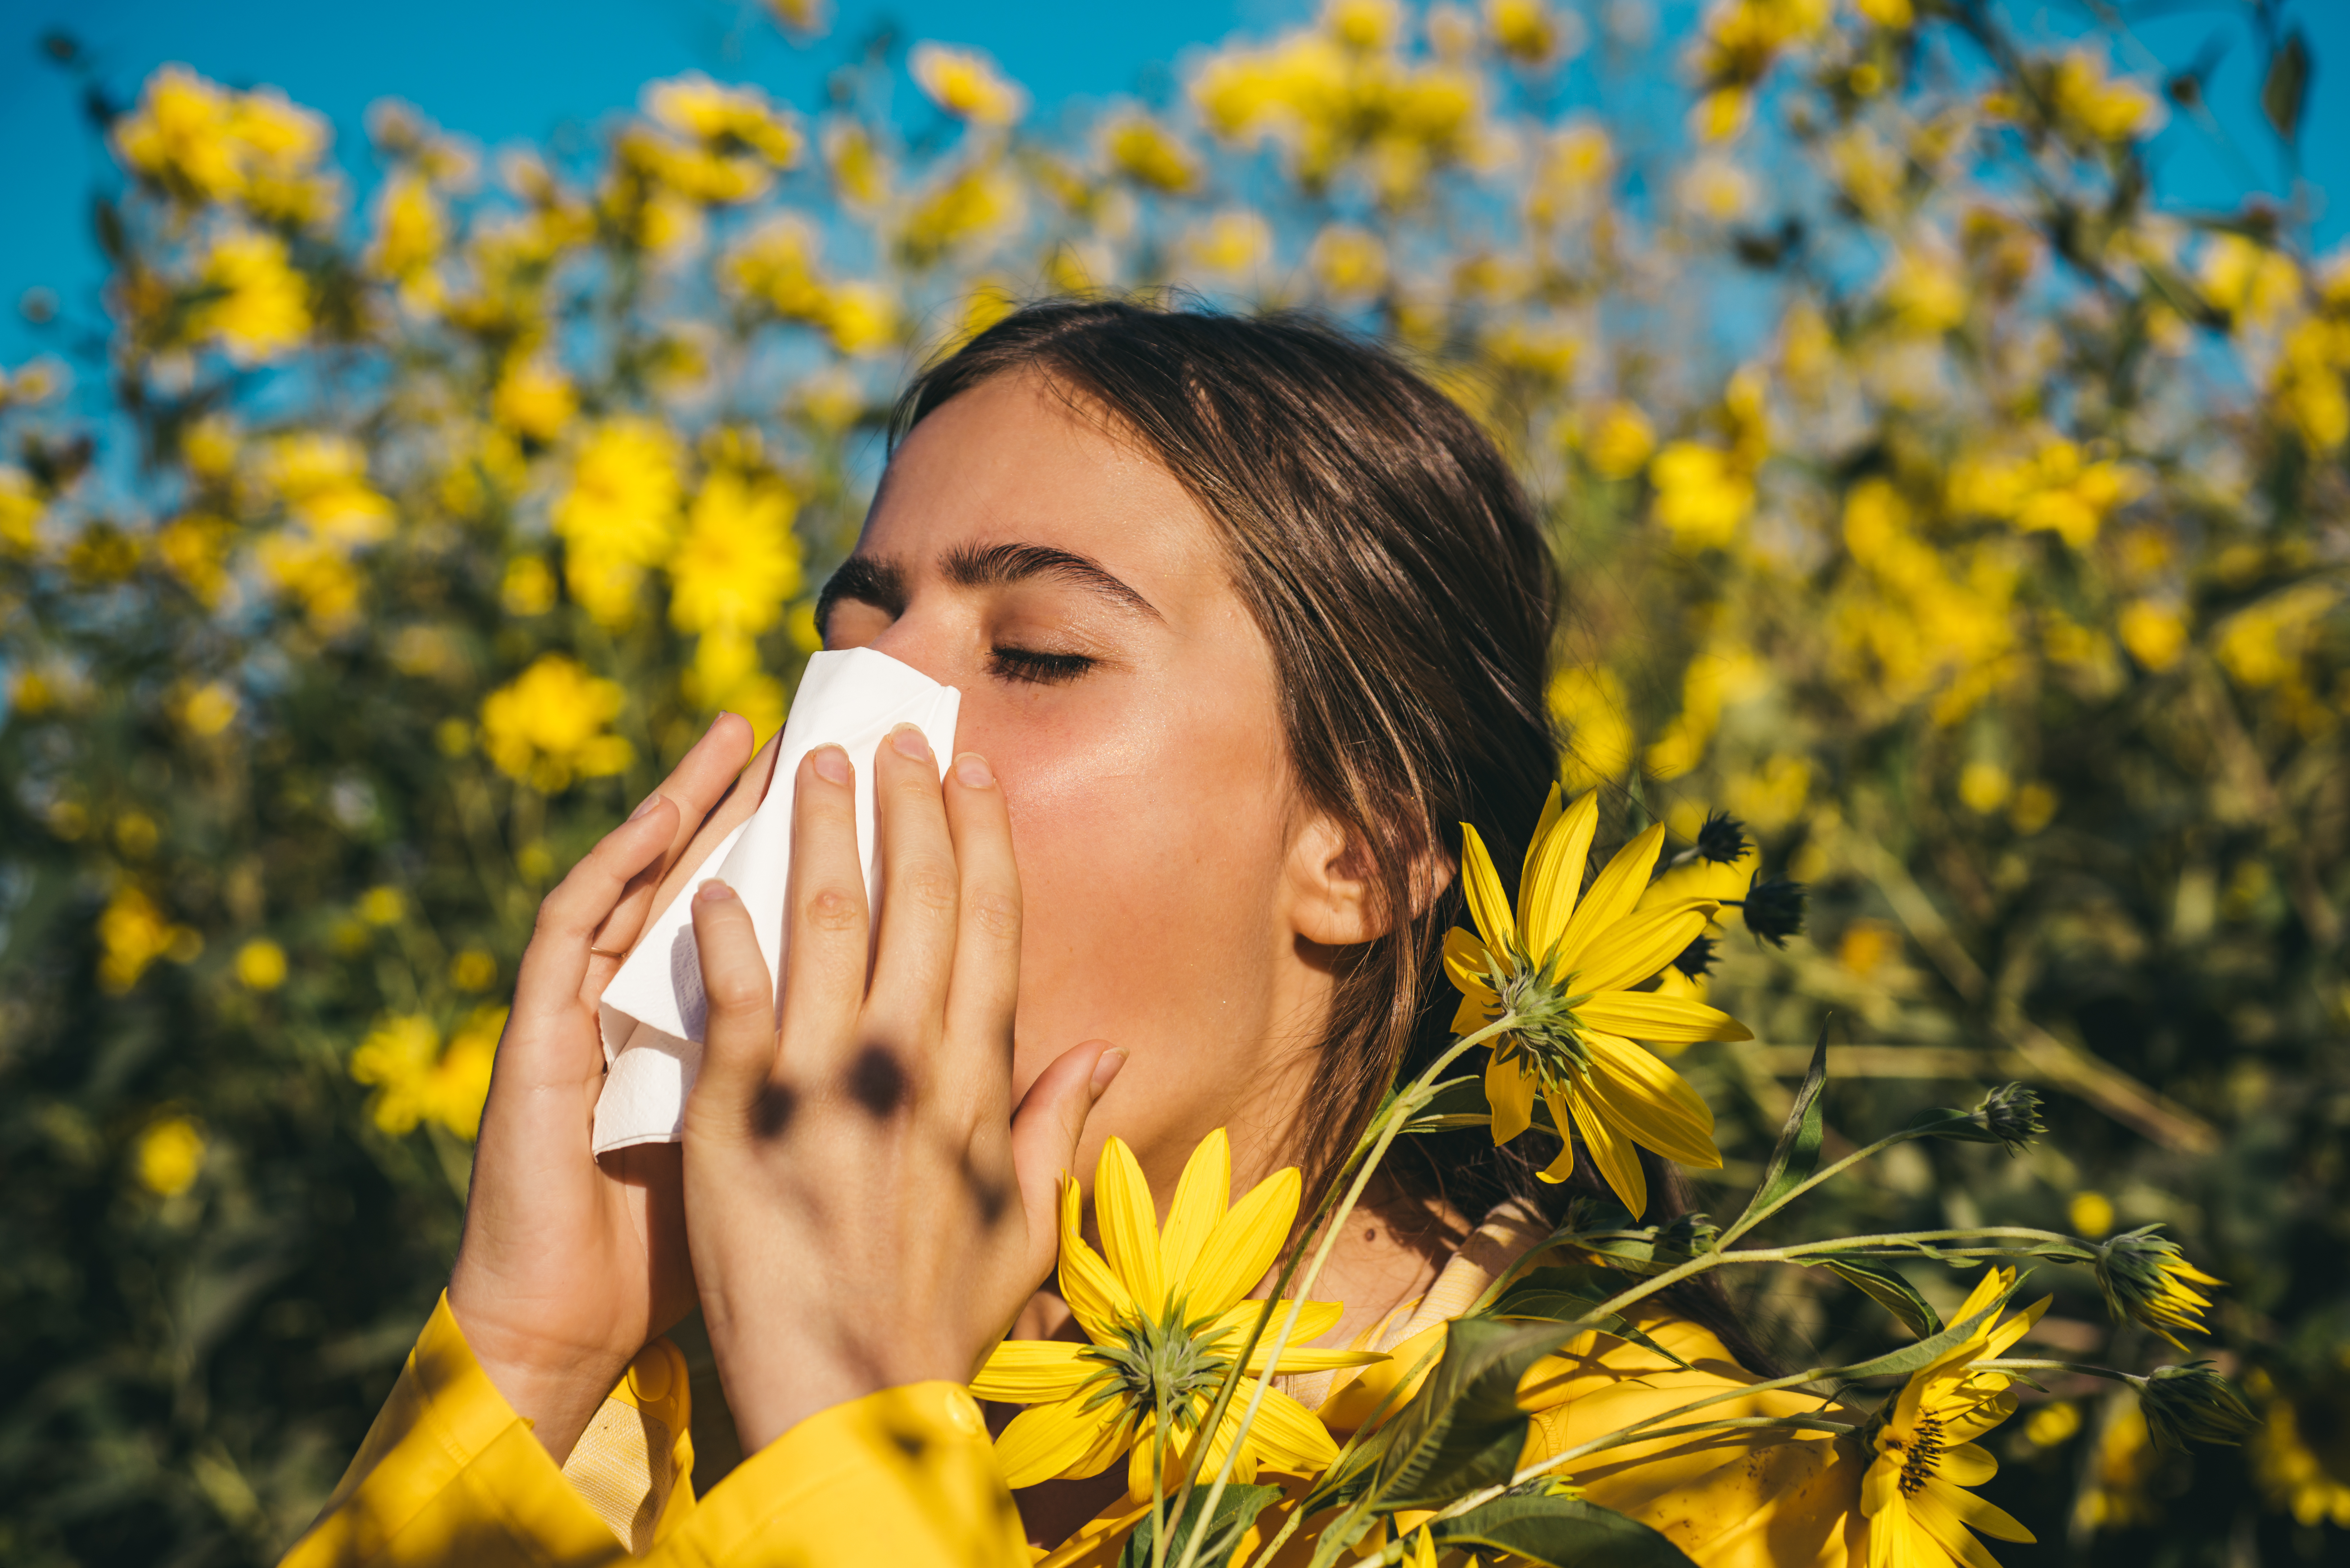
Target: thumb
(1046, 1131)
(738, 1037)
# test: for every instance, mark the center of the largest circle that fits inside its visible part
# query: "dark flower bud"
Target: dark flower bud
(2194, 1404)
(2011, 1114)
(1697, 958)
(1722, 839)
(1774, 910)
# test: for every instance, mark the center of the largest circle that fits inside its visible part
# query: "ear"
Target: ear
(1334, 894)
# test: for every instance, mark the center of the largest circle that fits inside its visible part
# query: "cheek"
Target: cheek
(1149, 848)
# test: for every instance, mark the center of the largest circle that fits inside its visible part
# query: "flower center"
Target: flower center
(1548, 1040)
(1920, 1454)
(1162, 1364)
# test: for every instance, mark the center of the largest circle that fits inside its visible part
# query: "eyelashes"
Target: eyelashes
(1038, 668)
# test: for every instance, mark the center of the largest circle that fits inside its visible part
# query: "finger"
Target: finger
(986, 988)
(919, 890)
(700, 780)
(825, 918)
(1046, 1132)
(738, 1039)
(554, 964)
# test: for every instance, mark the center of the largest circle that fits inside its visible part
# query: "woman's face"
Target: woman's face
(1078, 597)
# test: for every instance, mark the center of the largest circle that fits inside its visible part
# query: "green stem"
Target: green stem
(1815, 1179)
(1398, 1112)
(1306, 1505)
(2083, 1368)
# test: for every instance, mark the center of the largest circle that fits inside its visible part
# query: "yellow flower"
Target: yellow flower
(1348, 262)
(261, 965)
(728, 121)
(416, 1081)
(1147, 151)
(1230, 244)
(534, 397)
(1162, 1314)
(1913, 1497)
(473, 970)
(132, 934)
(2145, 1277)
(972, 203)
(1523, 29)
(966, 84)
(171, 1154)
(2154, 632)
(1616, 441)
(548, 724)
(1703, 493)
(20, 508)
(1587, 703)
(260, 306)
(739, 562)
(209, 709)
(617, 517)
(1565, 967)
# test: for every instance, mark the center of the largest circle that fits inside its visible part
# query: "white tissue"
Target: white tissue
(653, 1011)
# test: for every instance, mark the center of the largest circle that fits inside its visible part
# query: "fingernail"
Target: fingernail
(831, 765)
(645, 806)
(972, 769)
(1105, 1067)
(909, 741)
(713, 892)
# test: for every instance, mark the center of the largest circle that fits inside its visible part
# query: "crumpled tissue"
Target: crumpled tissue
(653, 1011)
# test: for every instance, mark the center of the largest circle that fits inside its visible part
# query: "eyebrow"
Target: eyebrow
(996, 566)
(880, 582)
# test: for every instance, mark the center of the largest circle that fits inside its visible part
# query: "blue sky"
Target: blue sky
(503, 69)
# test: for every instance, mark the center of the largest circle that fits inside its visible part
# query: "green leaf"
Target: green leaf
(1910, 1357)
(2286, 90)
(1464, 1429)
(1561, 1532)
(1891, 1292)
(1236, 1509)
(1798, 1152)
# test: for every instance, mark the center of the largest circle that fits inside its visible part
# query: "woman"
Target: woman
(1246, 617)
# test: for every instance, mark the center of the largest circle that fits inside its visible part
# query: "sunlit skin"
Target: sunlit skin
(1176, 908)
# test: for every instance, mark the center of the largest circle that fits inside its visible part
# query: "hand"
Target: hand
(866, 1208)
(569, 1264)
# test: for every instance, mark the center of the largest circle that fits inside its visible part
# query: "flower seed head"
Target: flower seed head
(2145, 1277)
(1774, 910)
(2194, 1404)
(1697, 958)
(1722, 839)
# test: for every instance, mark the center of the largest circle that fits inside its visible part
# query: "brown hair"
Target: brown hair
(1408, 593)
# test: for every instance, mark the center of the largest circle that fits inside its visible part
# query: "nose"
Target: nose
(924, 639)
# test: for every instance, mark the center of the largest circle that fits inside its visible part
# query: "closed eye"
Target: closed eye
(1038, 668)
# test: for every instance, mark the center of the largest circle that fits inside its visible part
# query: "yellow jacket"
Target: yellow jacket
(449, 1474)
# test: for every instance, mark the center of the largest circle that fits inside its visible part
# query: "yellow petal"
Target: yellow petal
(1468, 964)
(1245, 1243)
(1200, 1199)
(1967, 1464)
(1285, 1434)
(1702, 879)
(1130, 1224)
(1510, 1090)
(1619, 1162)
(1996, 1342)
(1975, 1513)
(1098, 1298)
(1978, 1418)
(1473, 1014)
(1032, 1371)
(1054, 1441)
(1554, 870)
(1527, 881)
(1641, 945)
(1653, 1104)
(1644, 1015)
(1482, 884)
(1612, 893)
(1559, 1169)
